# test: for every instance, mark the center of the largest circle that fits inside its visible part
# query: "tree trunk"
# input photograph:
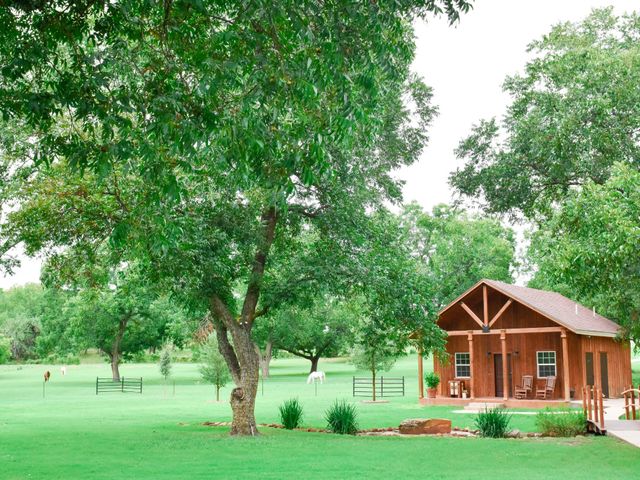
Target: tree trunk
(243, 397)
(243, 402)
(217, 393)
(115, 363)
(314, 364)
(373, 376)
(244, 364)
(241, 355)
(265, 358)
(115, 348)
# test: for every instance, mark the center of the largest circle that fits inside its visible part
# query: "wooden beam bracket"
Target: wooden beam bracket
(471, 314)
(497, 316)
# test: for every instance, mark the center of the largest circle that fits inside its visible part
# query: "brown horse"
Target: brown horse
(47, 375)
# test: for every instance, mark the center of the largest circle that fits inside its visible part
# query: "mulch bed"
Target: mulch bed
(383, 432)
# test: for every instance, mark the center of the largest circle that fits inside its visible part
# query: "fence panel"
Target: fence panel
(124, 385)
(385, 387)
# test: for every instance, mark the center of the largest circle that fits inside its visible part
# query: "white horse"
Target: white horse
(313, 376)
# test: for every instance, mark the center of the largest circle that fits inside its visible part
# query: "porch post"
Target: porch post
(505, 371)
(472, 375)
(420, 375)
(485, 304)
(565, 365)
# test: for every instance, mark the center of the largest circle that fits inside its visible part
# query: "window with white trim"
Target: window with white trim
(463, 365)
(546, 364)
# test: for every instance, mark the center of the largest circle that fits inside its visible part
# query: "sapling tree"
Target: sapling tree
(214, 369)
(165, 362)
(375, 353)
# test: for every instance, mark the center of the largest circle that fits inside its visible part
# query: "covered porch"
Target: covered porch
(509, 403)
(489, 364)
(477, 369)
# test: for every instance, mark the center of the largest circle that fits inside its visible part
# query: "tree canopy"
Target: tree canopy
(575, 112)
(457, 249)
(224, 145)
(589, 248)
(323, 329)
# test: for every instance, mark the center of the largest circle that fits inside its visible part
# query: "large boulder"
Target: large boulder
(425, 426)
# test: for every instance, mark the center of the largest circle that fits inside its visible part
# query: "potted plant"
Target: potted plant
(432, 380)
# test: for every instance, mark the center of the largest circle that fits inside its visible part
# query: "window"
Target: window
(463, 365)
(546, 364)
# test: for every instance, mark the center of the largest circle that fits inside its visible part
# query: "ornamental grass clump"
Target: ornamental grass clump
(291, 414)
(562, 422)
(342, 418)
(493, 423)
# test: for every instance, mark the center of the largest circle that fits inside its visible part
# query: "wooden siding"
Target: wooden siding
(619, 362)
(523, 349)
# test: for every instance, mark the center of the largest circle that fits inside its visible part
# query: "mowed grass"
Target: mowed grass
(72, 433)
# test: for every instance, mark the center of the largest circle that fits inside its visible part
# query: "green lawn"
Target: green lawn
(74, 434)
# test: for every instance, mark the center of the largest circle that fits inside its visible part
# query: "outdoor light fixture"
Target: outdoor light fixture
(488, 354)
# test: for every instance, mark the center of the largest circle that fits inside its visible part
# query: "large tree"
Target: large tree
(575, 112)
(323, 329)
(114, 316)
(21, 312)
(457, 249)
(590, 249)
(217, 132)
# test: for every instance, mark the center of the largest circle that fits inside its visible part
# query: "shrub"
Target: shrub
(493, 422)
(72, 360)
(342, 418)
(562, 422)
(5, 349)
(60, 359)
(291, 414)
(432, 380)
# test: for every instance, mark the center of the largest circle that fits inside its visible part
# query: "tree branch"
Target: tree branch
(296, 353)
(268, 220)
(226, 350)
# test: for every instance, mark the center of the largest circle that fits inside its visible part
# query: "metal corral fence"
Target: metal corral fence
(124, 385)
(385, 387)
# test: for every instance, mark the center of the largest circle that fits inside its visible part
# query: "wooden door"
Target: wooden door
(497, 369)
(604, 374)
(588, 362)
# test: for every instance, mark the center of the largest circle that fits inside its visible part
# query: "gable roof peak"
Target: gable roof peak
(558, 308)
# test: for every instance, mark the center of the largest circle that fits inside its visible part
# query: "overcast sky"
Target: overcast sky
(466, 66)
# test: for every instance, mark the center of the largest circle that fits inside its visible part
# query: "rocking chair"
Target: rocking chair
(547, 391)
(522, 391)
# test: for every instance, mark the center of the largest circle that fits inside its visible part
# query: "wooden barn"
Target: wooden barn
(523, 345)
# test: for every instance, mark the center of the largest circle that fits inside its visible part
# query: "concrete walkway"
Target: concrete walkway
(627, 430)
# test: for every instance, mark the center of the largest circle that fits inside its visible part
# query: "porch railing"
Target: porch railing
(593, 407)
(631, 403)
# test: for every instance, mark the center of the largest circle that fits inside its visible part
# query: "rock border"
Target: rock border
(456, 432)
